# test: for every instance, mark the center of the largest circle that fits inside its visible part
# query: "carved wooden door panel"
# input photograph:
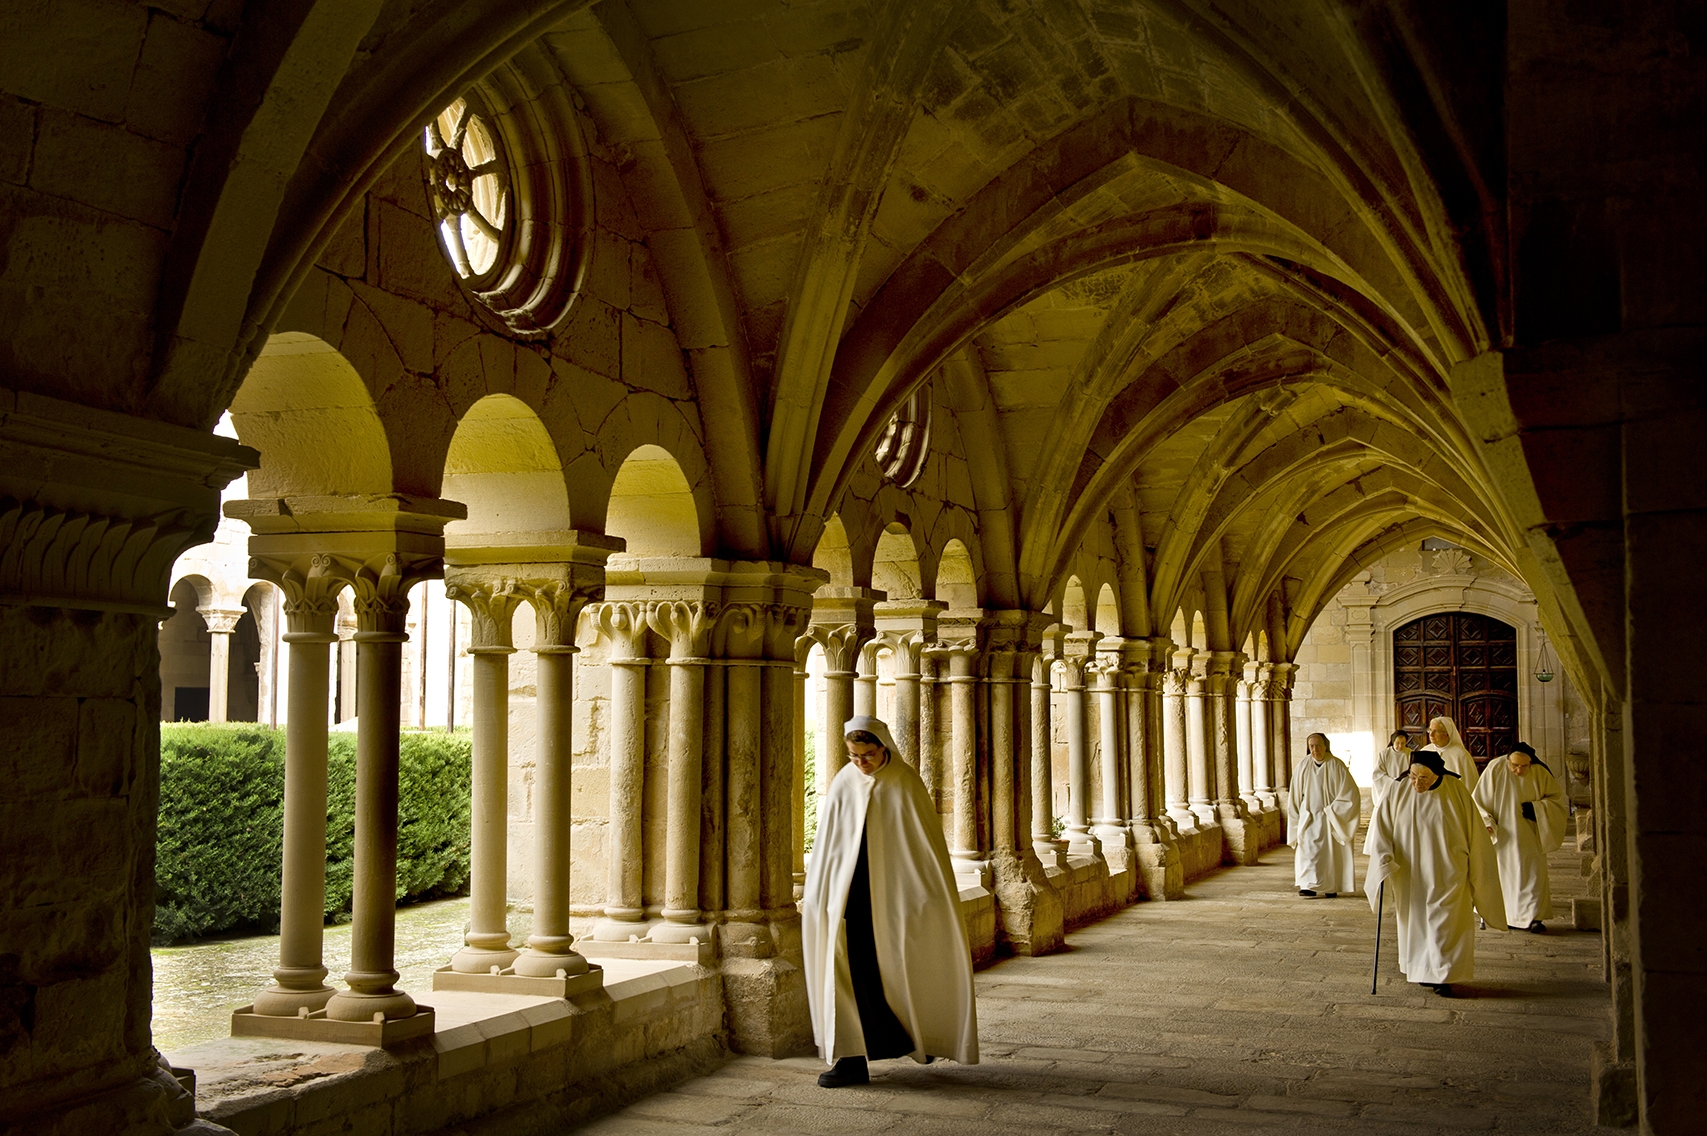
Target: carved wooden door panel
(1463, 667)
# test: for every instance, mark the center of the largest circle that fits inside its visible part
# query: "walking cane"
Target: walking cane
(1380, 899)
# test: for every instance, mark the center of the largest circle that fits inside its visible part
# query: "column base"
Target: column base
(1159, 863)
(671, 931)
(1029, 915)
(1203, 813)
(1083, 843)
(482, 960)
(1241, 837)
(317, 1026)
(365, 1006)
(609, 930)
(559, 985)
(1613, 1089)
(1052, 854)
(745, 934)
(549, 964)
(155, 1103)
(1182, 819)
(282, 1002)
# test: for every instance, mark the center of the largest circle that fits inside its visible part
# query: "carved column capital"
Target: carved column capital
(221, 620)
(624, 623)
(492, 601)
(687, 624)
(740, 631)
(842, 644)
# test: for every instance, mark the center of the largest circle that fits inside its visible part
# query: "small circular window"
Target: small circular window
(469, 187)
(901, 448)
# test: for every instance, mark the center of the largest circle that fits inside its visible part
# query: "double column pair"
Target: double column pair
(557, 593)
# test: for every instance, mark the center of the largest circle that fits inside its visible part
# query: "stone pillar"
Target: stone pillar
(906, 650)
(962, 680)
(802, 653)
(1030, 916)
(382, 606)
(557, 603)
(1239, 841)
(930, 729)
(1244, 691)
(1159, 866)
(1174, 683)
(221, 622)
(688, 627)
(865, 680)
(1110, 823)
(1282, 752)
(1043, 843)
(1076, 656)
(1262, 736)
(624, 625)
(1200, 771)
(310, 606)
(492, 602)
(742, 634)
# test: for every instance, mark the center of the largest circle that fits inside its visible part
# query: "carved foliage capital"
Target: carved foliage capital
(686, 624)
(491, 602)
(624, 624)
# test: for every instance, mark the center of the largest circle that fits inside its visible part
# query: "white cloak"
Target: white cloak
(1325, 808)
(1522, 845)
(1433, 851)
(1390, 765)
(916, 920)
(1458, 759)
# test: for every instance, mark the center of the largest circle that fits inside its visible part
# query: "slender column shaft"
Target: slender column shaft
(488, 939)
(1141, 805)
(1003, 803)
(681, 840)
(1108, 741)
(1020, 693)
(1242, 739)
(624, 903)
(963, 695)
(782, 749)
(1260, 766)
(1200, 780)
(372, 978)
(219, 675)
(299, 979)
(907, 703)
(799, 802)
(1042, 806)
(838, 708)
(550, 945)
(865, 683)
(1174, 746)
(714, 785)
(930, 732)
(1078, 759)
(743, 723)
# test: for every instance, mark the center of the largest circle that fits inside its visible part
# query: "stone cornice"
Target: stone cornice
(95, 506)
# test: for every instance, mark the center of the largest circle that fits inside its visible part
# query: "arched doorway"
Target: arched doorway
(1463, 666)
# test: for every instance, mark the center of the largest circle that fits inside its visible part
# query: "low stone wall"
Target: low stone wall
(979, 907)
(1200, 850)
(545, 1065)
(1087, 889)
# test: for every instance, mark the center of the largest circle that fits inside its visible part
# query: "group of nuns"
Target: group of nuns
(1443, 844)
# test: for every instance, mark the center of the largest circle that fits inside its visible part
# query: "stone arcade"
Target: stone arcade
(1033, 375)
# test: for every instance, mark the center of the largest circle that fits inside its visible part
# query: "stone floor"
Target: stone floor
(1242, 1008)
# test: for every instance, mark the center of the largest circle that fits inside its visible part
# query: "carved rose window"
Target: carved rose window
(468, 184)
(901, 448)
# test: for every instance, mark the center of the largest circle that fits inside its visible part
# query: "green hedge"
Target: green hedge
(221, 823)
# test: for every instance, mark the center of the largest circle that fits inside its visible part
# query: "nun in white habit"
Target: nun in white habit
(1428, 844)
(1325, 808)
(1524, 810)
(888, 969)
(1446, 741)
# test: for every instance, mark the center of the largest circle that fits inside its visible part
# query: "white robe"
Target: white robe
(1390, 765)
(1458, 759)
(1522, 845)
(1432, 851)
(916, 920)
(1325, 808)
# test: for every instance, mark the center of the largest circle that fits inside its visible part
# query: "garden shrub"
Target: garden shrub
(221, 823)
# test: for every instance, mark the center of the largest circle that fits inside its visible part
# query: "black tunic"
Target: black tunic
(885, 1036)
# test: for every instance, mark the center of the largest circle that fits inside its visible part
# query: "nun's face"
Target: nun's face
(1519, 763)
(1423, 778)
(867, 756)
(1438, 735)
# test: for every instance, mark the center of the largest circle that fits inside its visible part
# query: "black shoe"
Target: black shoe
(1538, 928)
(1332, 895)
(929, 1059)
(1443, 989)
(847, 1071)
(1306, 893)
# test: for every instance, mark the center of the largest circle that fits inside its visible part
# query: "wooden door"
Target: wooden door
(1463, 667)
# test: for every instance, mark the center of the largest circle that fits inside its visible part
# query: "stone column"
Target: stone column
(1200, 776)
(1157, 857)
(221, 622)
(491, 601)
(1240, 843)
(962, 658)
(1077, 655)
(688, 628)
(1262, 735)
(1283, 675)
(865, 680)
(1242, 689)
(310, 606)
(802, 652)
(1174, 684)
(742, 631)
(557, 604)
(842, 624)
(930, 730)
(382, 606)
(1049, 853)
(624, 626)
(906, 650)
(1110, 824)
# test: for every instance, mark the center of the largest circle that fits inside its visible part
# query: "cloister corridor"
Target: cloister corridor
(1240, 1009)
